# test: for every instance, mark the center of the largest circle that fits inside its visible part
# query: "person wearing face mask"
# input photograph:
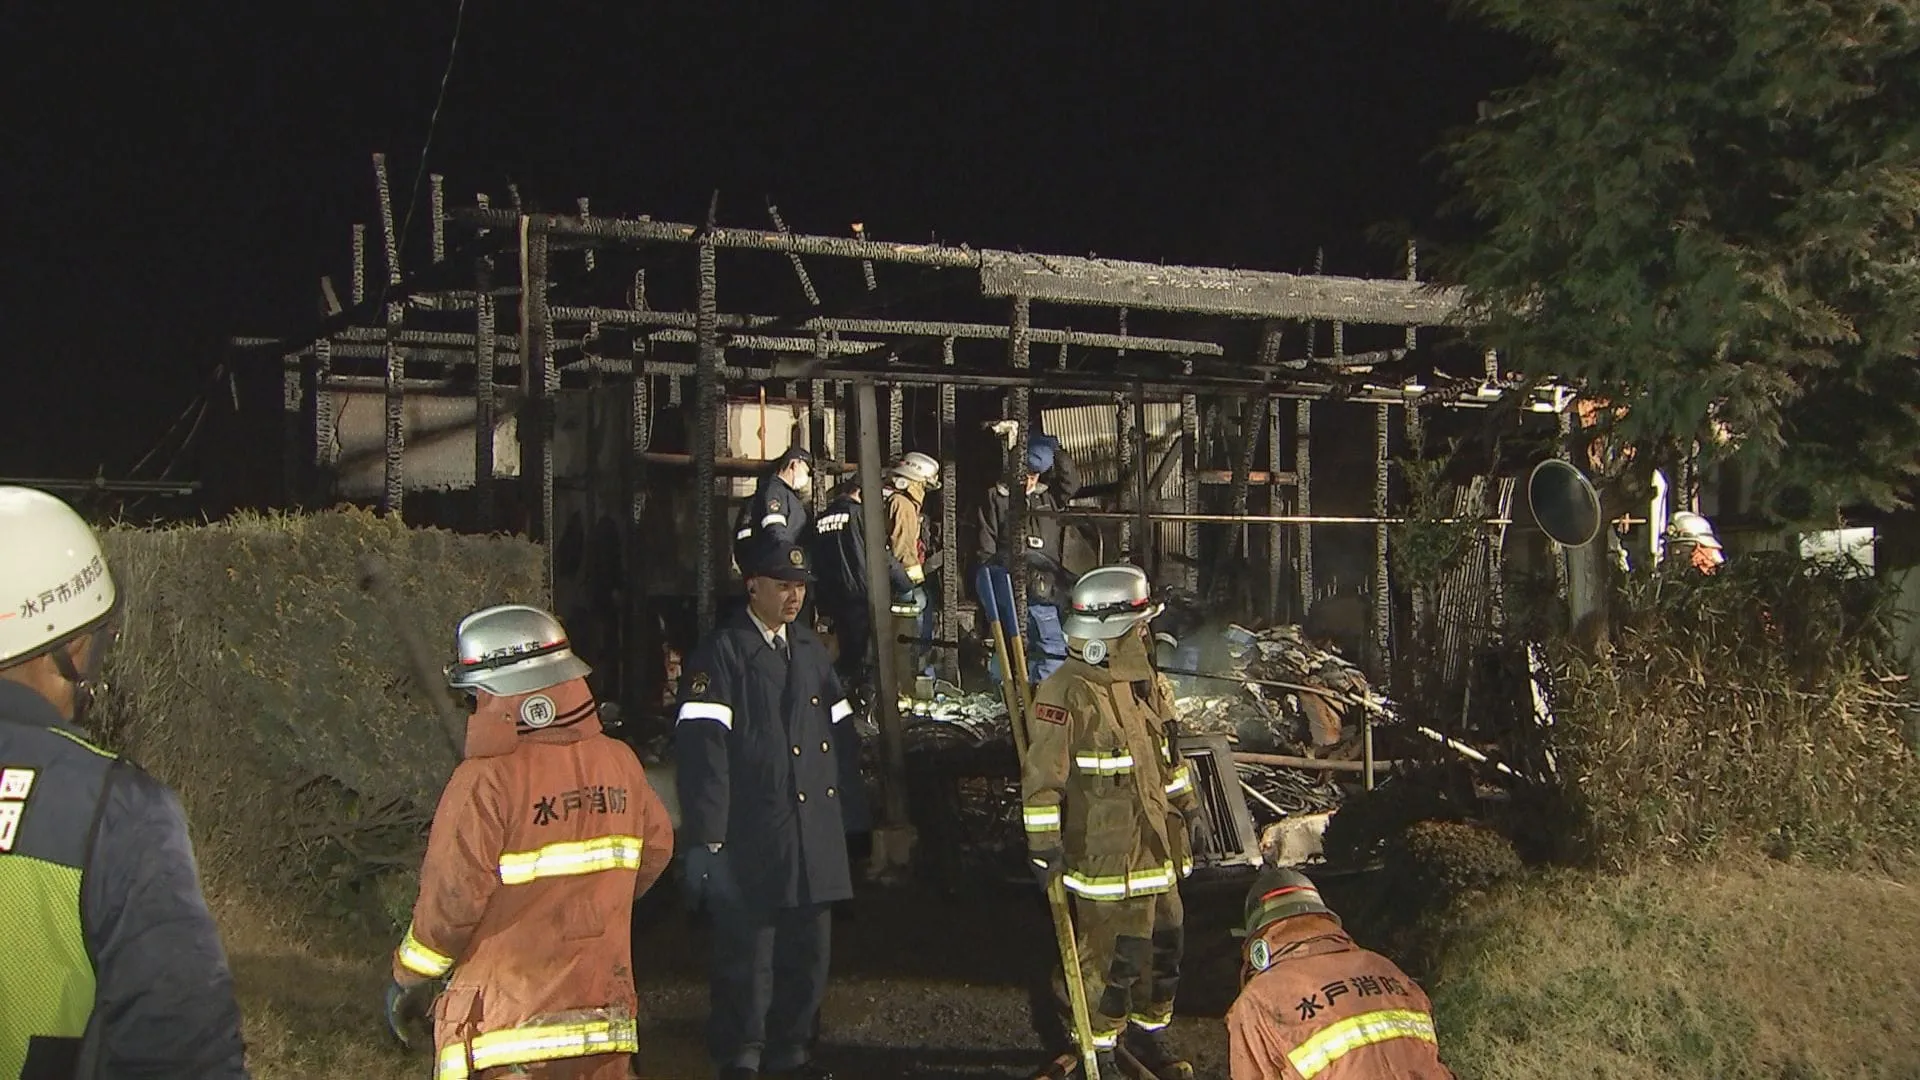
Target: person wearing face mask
(114, 965)
(545, 834)
(1102, 801)
(908, 482)
(1313, 1004)
(776, 514)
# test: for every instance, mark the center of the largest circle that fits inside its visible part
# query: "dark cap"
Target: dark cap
(787, 562)
(794, 452)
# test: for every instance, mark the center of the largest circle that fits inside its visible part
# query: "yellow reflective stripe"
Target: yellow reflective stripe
(1104, 764)
(576, 857)
(1151, 1021)
(1186, 867)
(1334, 1041)
(1041, 818)
(1182, 781)
(421, 960)
(1105, 1040)
(1120, 886)
(550, 1042)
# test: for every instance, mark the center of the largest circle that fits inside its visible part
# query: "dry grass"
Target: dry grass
(1741, 971)
(1740, 711)
(310, 1011)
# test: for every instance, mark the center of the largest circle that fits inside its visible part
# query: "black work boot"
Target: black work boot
(1150, 1049)
(1109, 1067)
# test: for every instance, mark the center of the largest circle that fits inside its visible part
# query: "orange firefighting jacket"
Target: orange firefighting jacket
(542, 839)
(1099, 785)
(1322, 1006)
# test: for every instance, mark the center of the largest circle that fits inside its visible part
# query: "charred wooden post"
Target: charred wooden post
(951, 571)
(1276, 546)
(706, 429)
(326, 440)
(582, 204)
(893, 840)
(539, 379)
(359, 265)
(1144, 489)
(293, 431)
(1020, 358)
(393, 497)
(1382, 579)
(438, 198)
(485, 358)
(1303, 497)
(1190, 481)
(793, 257)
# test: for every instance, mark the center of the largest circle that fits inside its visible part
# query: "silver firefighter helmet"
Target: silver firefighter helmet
(917, 468)
(510, 650)
(1108, 601)
(1687, 527)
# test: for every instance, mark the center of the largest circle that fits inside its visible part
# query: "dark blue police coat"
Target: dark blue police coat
(775, 515)
(769, 765)
(839, 550)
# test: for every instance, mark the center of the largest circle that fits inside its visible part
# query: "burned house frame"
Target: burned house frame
(1200, 388)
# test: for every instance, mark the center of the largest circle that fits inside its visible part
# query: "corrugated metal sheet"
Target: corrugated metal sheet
(439, 443)
(1091, 434)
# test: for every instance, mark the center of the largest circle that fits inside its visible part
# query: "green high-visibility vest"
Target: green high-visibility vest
(51, 788)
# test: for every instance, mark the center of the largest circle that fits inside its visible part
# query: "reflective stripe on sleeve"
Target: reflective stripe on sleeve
(708, 710)
(1105, 764)
(1041, 818)
(744, 534)
(773, 519)
(573, 857)
(542, 1042)
(840, 711)
(421, 960)
(1334, 1041)
(1182, 781)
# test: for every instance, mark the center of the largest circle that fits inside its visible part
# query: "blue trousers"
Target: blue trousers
(767, 978)
(1046, 641)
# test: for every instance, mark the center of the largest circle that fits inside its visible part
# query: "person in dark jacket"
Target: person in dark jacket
(1052, 481)
(769, 784)
(777, 511)
(114, 967)
(839, 550)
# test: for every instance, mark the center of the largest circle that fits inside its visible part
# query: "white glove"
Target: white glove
(1008, 430)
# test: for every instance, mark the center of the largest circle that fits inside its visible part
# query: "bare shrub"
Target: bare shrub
(1750, 708)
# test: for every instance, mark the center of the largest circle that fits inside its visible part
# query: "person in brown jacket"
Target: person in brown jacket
(1314, 1004)
(1105, 806)
(908, 481)
(543, 837)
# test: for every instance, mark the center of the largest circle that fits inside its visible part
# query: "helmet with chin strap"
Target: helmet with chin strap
(1109, 601)
(510, 650)
(917, 468)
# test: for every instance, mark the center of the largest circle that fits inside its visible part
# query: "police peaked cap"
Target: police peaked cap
(786, 562)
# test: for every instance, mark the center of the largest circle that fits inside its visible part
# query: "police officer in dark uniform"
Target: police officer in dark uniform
(113, 965)
(777, 512)
(1052, 481)
(839, 550)
(770, 786)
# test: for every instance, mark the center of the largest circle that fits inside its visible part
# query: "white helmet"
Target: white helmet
(53, 578)
(918, 468)
(1108, 601)
(510, 650)
(1687, 527)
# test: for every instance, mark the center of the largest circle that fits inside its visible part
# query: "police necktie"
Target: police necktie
(780, 646)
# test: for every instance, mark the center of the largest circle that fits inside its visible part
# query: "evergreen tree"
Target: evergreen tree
(1707, 209)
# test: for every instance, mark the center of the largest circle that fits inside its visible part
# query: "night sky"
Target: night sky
(176, 174)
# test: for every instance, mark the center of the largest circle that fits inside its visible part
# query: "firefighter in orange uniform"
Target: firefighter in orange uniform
(1315, 1005)
(542, 839)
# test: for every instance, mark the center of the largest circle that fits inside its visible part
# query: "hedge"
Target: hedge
(255, 677)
